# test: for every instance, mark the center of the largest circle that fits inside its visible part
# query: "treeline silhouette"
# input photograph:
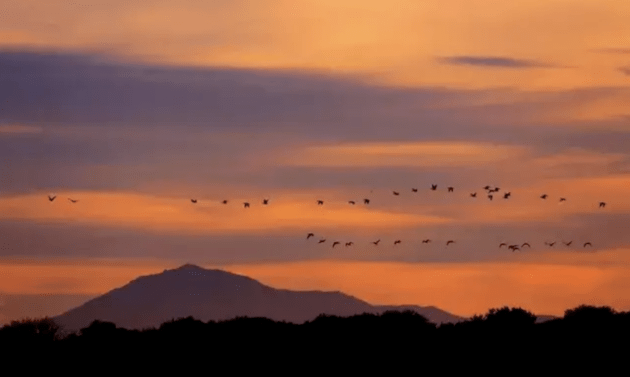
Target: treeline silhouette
(505, 336)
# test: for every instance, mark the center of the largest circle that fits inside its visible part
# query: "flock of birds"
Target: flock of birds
(490, 191)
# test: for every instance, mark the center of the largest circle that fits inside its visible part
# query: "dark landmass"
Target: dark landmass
(218, 295)
(505, 338)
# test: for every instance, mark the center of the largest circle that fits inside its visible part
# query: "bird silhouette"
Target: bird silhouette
(552, 243)
(563, 200)
(336, 243)
(502, 244)
(414, 190)
(246, 205)
(526, 244)
(351, 202)
(506, 195)
(490, 197)
(567, 243)
(51, 198)
(513, 247)
(543, 196)
(450, 189)
(426, 241)
(349, 244)
(265, 201)
(433, 187)
(310, 235)
(587, 243)
(449, 242)
(474, 194)
(602, 204)
(322, 241)
(496, 189)
(376, 242)
(224, 202)
(396, 193)
(193, 200)
(320, 202)
(366, 201)
(397, 242)
(73, 200)
(486, 188)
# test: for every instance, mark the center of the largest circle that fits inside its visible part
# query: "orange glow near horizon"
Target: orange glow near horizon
(538, 284)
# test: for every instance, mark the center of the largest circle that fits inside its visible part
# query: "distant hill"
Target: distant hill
(190, 290)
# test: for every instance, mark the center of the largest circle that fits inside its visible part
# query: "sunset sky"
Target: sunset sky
(135, 107)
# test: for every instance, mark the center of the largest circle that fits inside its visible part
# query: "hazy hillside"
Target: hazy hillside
(207, 295)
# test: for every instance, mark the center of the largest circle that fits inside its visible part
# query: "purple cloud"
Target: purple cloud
(494, 61)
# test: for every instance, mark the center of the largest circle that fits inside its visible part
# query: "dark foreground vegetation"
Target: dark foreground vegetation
(585, 336)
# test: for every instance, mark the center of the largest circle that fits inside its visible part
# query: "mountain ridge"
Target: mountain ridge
(212, 294)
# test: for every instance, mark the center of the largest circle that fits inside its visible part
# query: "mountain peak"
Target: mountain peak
(188, 266)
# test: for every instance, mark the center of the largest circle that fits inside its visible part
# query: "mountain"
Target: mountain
(189, 290)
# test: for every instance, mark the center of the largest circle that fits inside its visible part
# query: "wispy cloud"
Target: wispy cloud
(494, 61)
(625, 70)
(613, 50)
(422, 154)
(19, 129)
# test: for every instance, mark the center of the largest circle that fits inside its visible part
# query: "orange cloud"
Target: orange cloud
(19, 129)
(394, 42)
(423, 154)
(179, 215)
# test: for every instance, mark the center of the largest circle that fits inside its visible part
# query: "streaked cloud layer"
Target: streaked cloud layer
(135, 107)
(494, 61)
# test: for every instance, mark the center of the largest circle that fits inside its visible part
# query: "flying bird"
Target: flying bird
(543, 196)
(450, 189)
(51, 198)
(496, 189)
(349, 244)
(265, 201)
(366, 201)
(397, 242)
(193, 200)
(414, 190)
(320, 202)
(551, 244)
(433, 187)
(376, 242)
(490, 197)
(473, 194)
(426, 241)
(351, 202)
(487, 188)
(73, 200)
(513, 247)
(502, 244)
(246, 205)
(506, 195)
(602, 204)
(567, 243)
(563, 200)
(587, 243)
(224, 202)
(310, 235)
(449, 242)
(526, 244)
(322, 241)
(396, 193)
(335, 243)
